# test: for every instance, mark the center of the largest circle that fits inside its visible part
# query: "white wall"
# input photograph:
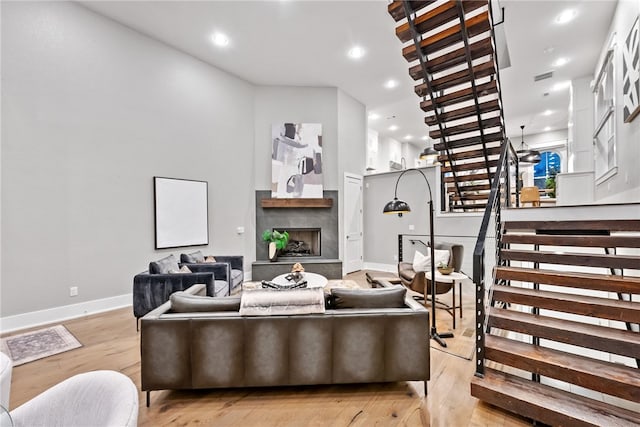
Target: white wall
(352, 144)
(91, 111)
(624, 186)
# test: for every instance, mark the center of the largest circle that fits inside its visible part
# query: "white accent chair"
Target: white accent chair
(97, 398)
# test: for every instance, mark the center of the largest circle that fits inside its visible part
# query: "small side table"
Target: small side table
(454, 277)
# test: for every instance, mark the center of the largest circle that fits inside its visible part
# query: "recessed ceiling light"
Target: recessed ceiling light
(560, 62)
(561, 85)
(393, 127)
(566, 16)
(425, 138)
(374, 116)
(547, 112)
(408, 136)
(547, 128)
(220, 39)
(356, 52)
(390, 84)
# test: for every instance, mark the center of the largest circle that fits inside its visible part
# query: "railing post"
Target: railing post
(478, 279)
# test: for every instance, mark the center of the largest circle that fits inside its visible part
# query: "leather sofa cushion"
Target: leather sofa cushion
(182, 302)
(162, 266)
(192, 258)
(392, 297)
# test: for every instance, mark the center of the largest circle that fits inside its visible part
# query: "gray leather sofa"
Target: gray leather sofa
(224, 349)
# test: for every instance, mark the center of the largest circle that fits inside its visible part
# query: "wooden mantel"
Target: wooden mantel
(296, 203)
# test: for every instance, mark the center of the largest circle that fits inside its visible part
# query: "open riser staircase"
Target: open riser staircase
(451, 51)
(562, 344)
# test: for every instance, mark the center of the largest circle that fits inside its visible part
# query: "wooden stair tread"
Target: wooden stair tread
(440, 63)
(547, 404)
(436, 17)
(471, 197)
(473, 187)
(396, 8)
(573, 240)
(448, 81)
(471, 177)
(469, 166)
(470, 141)
(475, 25)
(470, 206)
(461, 113)
(471, 154)
(570, 258)
(598, 282)
(465, 128)
(604, 308)
(461, 95)
(611, 225)
(597, 337)
(606, 377)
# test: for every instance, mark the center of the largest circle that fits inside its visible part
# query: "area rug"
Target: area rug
(30, 346)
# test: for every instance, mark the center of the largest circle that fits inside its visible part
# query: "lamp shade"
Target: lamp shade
(396, 207)
(428, 152)
(525, 154)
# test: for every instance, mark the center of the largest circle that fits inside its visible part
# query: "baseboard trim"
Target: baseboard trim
(65, 312)
(390, 268)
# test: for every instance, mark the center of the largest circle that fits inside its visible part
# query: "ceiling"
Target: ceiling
(304, 43)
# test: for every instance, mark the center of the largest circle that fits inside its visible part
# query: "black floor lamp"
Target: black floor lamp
(400, 207)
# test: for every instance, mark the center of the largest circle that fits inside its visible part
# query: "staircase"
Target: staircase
(557, 329)
(450, 48)
(561, 323)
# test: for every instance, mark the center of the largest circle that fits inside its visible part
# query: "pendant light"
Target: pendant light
(527, 156)
(429, 154)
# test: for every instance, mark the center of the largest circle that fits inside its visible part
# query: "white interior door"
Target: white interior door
(352, 223)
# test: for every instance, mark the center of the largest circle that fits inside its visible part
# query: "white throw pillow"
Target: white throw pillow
(422, 262)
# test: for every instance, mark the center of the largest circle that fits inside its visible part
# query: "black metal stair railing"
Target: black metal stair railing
(500, 194)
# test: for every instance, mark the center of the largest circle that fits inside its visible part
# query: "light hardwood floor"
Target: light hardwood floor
(110, 341)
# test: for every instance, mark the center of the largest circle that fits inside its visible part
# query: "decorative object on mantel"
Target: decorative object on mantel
(296, 160)
(631, 73)
(296, 203)
(277, 241)
(297, 268)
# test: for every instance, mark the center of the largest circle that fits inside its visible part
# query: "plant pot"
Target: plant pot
(273, 252)
(445, 271)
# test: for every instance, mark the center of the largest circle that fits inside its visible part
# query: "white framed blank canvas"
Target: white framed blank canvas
(181, 212)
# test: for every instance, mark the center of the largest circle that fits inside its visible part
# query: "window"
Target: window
(544, 173)
(604, 137)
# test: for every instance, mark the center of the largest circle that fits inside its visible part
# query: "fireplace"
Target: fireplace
(316, 227)
(303, 242)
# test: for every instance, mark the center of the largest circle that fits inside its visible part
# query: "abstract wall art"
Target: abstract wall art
(296, 160)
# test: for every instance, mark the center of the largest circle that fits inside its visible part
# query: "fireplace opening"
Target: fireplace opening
(303, 242)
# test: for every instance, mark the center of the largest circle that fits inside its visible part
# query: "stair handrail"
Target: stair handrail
(502, 177)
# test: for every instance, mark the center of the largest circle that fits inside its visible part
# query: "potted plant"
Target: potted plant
(277, 241)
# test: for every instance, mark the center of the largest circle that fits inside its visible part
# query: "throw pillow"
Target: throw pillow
(423, 262)
(182, 302)
(162, 266)
(392, 297)
(192, 258)
(183, 269)
(210, 259)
